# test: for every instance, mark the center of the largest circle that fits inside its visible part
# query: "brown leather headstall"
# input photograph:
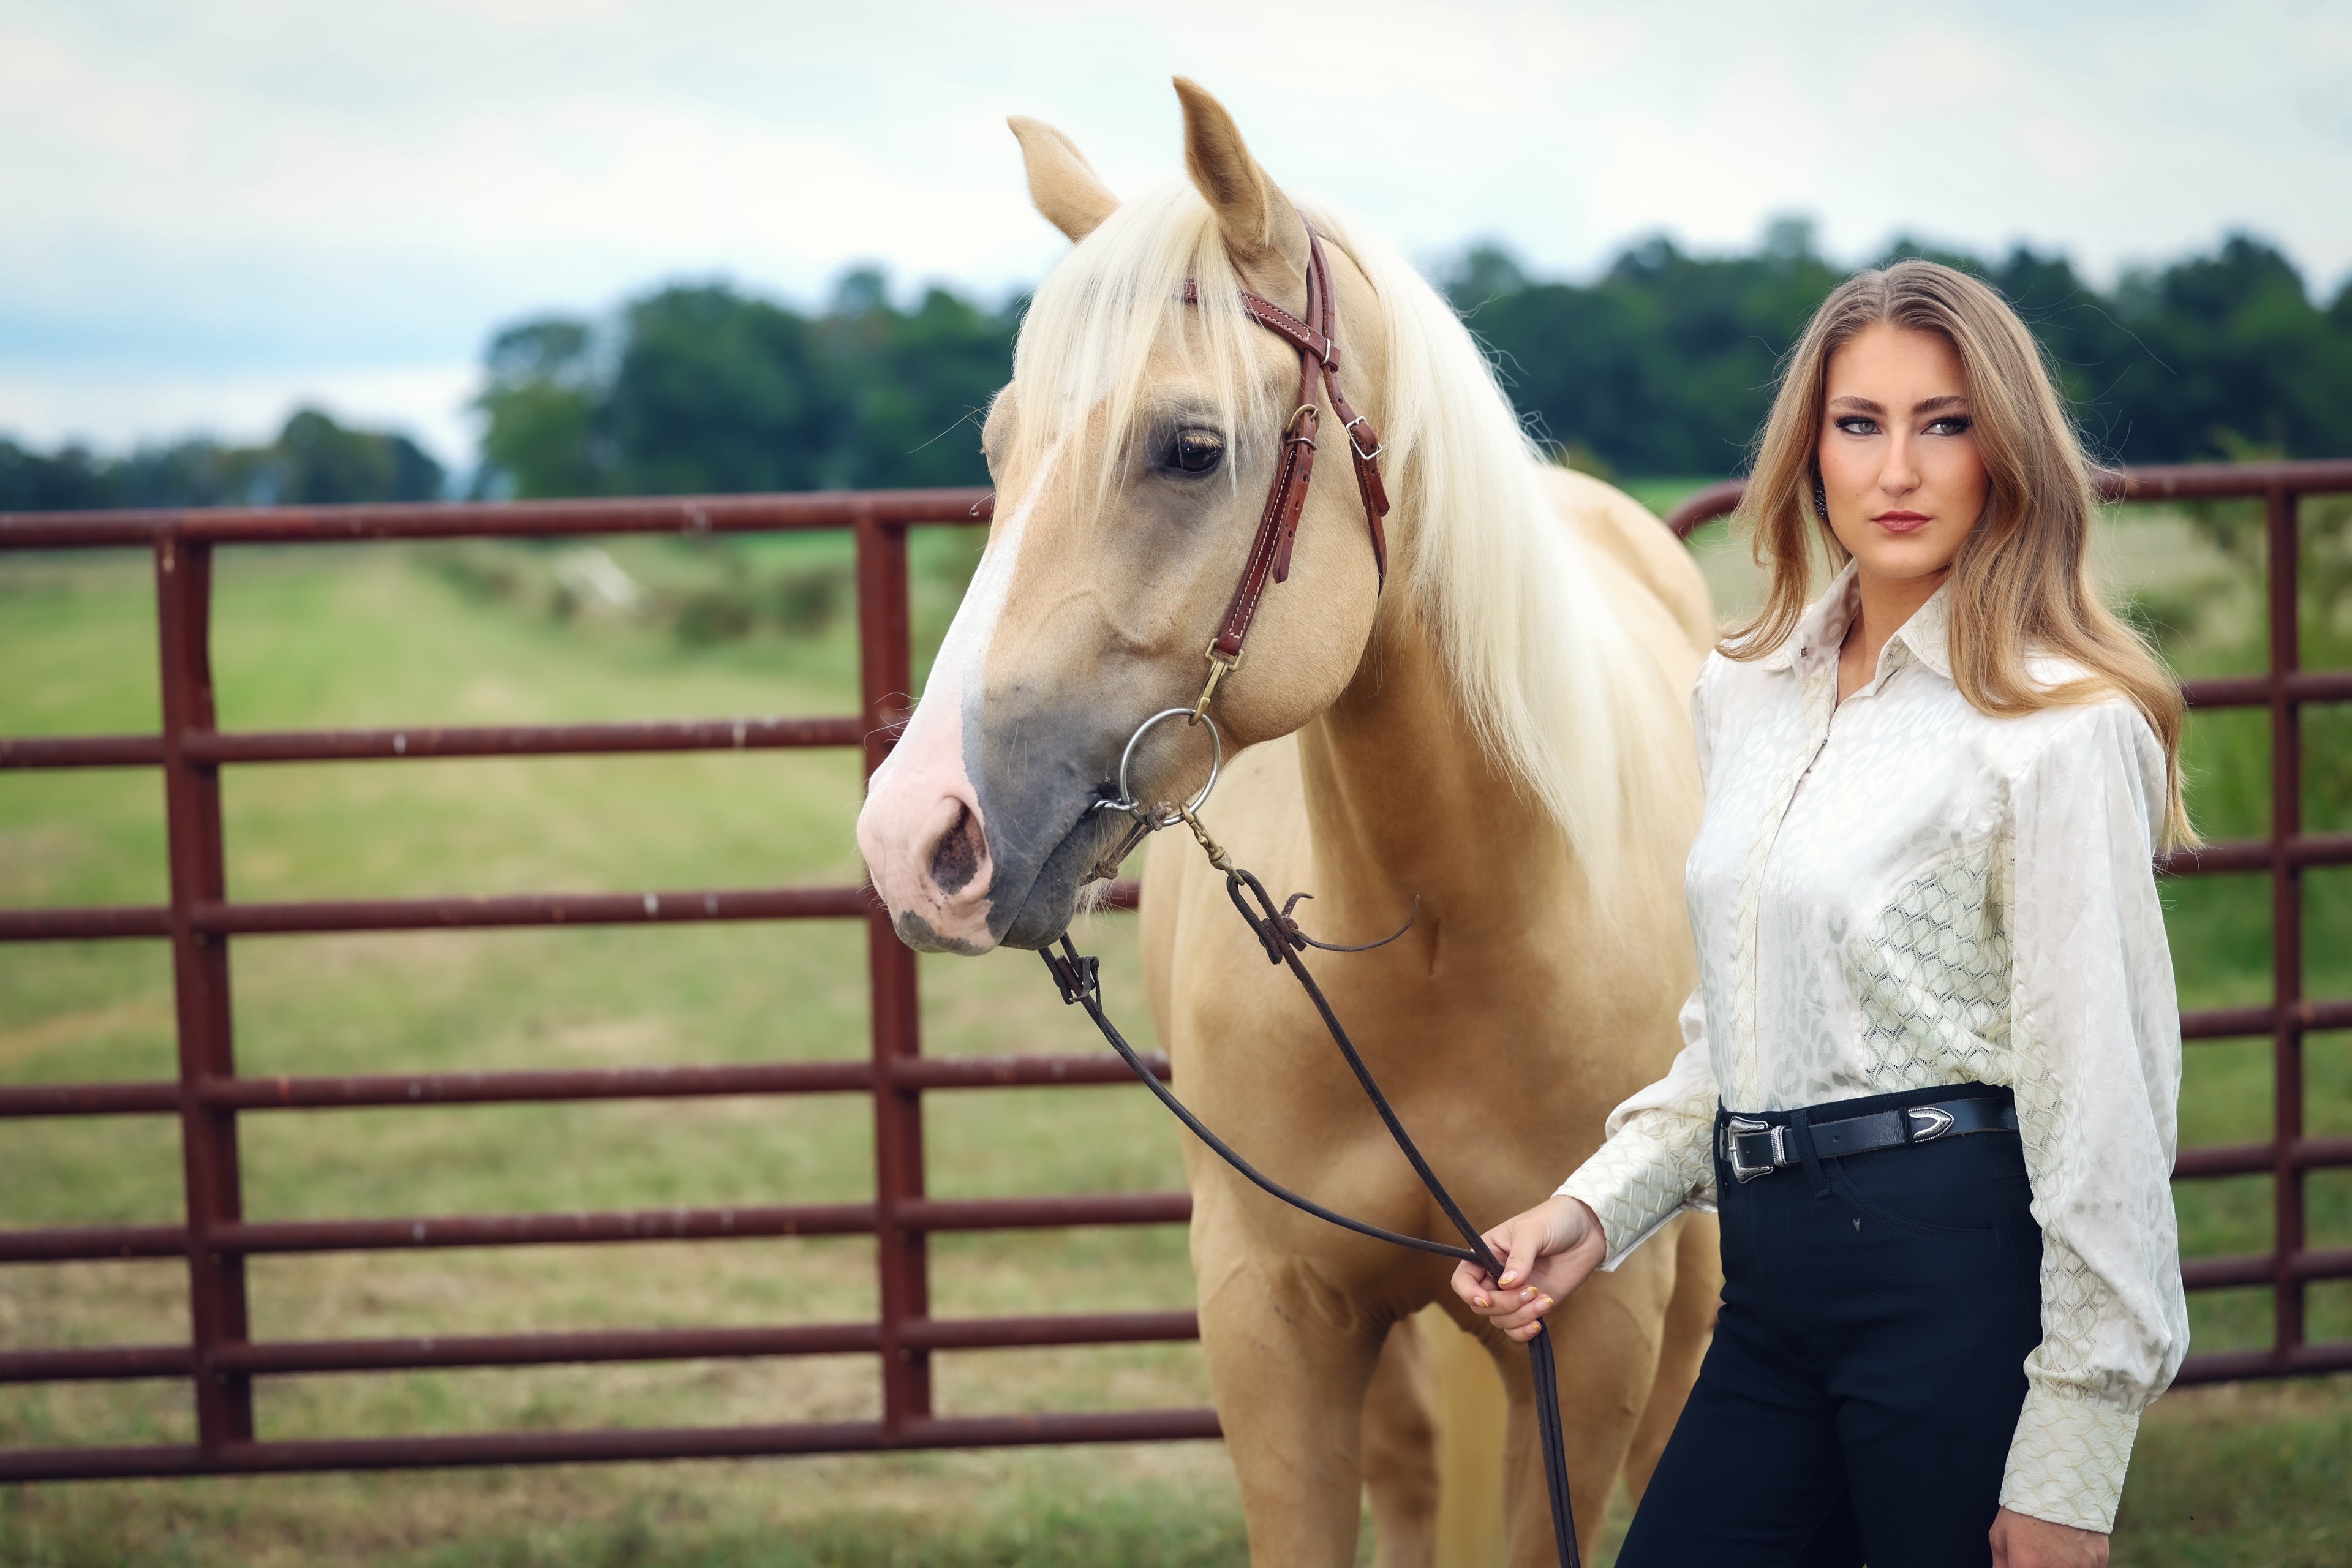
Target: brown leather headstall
(1278, 526)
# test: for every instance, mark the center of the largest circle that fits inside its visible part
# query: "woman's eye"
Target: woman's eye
(1957, 425)
(1196, 451)
(1857, 425)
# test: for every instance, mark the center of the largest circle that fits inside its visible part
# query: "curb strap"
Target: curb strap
(1078, 977)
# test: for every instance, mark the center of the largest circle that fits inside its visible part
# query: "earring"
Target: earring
(1821, 501)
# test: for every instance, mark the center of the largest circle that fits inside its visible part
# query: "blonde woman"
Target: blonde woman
(1933, 1061)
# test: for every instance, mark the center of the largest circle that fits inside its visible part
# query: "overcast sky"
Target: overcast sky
(209, 212)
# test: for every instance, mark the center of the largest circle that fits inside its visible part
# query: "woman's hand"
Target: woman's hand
(1544, 1253)
(2021, 1540)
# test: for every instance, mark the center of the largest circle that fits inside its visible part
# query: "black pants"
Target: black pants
(1867, 1373)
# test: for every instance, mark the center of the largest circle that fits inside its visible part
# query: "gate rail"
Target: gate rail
(220, 1359)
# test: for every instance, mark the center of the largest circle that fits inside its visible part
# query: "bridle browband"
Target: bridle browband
(1278, 526)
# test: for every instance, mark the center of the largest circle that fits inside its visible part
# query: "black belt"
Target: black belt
(1755, 1148)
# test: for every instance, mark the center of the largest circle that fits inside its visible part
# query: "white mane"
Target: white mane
(1539, 663)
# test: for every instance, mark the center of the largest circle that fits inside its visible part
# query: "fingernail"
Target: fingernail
(1508, 1280)
(1525, 1294)
(1543, 1303)
(1480, 1302)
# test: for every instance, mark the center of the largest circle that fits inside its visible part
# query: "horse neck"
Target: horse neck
(1404, 801)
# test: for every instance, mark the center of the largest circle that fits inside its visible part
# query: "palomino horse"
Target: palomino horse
(1499, 734)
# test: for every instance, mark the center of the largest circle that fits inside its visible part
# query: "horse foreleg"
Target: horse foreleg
(1690, 1324)
(1605, 1338)
(1289, 1361)
(1400, 1450)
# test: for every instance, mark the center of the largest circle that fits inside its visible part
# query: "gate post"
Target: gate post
(200, 979)
(887, 680)
(2286, 922)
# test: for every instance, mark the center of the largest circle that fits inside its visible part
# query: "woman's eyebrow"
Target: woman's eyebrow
(1930, 405)
(1859, 404)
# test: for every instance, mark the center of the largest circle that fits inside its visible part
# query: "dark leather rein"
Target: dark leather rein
(1078, 975)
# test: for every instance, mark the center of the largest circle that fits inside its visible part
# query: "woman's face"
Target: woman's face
(1898, 452)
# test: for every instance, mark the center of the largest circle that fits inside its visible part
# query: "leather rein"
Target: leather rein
(1079, 976)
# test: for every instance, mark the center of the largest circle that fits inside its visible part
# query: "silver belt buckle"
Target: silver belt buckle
(1738, 1126)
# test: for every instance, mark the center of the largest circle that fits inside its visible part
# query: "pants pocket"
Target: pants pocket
(1974, 1187)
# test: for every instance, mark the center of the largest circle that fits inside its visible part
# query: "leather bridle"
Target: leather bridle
(1278, 525)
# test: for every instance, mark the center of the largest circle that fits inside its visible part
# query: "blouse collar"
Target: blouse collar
(1814, 643)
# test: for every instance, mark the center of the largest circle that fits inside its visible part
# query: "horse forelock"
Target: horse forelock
(1110, 323)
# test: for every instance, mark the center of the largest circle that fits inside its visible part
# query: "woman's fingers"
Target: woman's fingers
(1474, 1286)
(1503, 1241)
(1520, 1310)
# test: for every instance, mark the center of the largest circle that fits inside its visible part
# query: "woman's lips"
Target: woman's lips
(1902, 521)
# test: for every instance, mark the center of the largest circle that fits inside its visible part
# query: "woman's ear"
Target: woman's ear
(1261, 229)
(1062, 183)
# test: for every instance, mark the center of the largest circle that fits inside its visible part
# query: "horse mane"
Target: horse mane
(1539, 663)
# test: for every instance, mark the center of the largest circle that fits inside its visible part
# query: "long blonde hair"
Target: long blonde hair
(2021, 585)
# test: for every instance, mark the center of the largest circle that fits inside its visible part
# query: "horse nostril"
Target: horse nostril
(956, 858)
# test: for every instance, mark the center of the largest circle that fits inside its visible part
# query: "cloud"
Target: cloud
(260, 192)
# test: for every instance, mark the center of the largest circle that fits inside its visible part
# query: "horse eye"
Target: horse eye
(1196, 451)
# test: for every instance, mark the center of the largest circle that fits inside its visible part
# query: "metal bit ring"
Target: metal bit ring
(1126, 801)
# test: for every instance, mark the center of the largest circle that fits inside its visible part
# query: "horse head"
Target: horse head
(1131, 453)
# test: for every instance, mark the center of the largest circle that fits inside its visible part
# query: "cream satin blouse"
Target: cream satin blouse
(1898, 892)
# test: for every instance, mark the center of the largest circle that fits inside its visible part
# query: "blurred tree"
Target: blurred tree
(541, 394)
(314, 461)
(921, 382)
(69, 480)
(715, 391)
(1665, 365)
(2234, 349)
(195, 473)
(711, 389)
(319, 463)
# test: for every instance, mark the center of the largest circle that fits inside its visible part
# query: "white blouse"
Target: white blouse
(1899, 891)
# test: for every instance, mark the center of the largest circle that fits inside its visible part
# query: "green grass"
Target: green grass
(473, 635)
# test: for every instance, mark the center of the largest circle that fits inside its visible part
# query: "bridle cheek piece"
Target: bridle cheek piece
(1278, 525)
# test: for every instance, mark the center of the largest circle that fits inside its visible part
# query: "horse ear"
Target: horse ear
(1260, 225)
(1062, 183)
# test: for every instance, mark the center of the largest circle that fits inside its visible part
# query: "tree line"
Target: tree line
(313, 461)
(1662, 365)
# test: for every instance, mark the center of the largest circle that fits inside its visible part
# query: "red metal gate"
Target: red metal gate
(220, 1359)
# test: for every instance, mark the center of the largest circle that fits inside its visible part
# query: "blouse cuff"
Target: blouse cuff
(1631, 1189)
(2067, 1462)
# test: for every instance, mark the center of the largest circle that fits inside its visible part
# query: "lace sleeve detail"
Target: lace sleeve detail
(2096, 1047)
(1660, 1156)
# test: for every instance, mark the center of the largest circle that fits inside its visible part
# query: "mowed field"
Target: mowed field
(473, 635)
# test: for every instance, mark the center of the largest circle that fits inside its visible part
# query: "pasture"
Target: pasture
(495, 633)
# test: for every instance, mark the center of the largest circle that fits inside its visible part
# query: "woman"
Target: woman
(1933, 1061)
